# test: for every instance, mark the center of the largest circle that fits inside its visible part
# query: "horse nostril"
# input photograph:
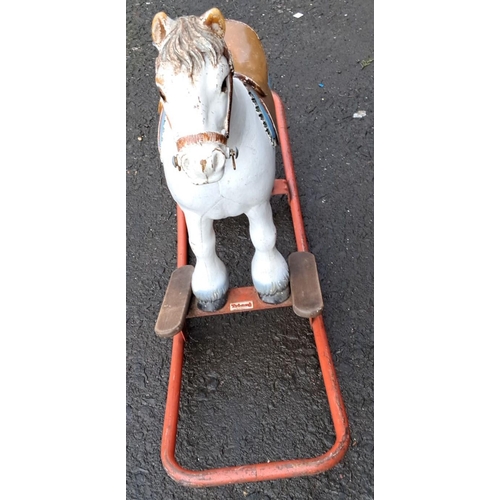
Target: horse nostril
(203, 164)
(218, 159)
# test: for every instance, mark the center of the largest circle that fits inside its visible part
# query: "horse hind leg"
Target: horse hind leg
(270, 273)
(210, 281)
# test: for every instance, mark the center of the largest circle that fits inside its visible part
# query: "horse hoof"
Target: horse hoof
(212, 305)
(276, 298)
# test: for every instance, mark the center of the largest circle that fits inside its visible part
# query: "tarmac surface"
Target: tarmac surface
(252, 389)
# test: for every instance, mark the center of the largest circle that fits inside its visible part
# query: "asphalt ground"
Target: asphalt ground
(252, 389)
(70, 191)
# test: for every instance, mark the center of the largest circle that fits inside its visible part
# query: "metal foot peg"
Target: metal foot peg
(307, 300)
(175, 303)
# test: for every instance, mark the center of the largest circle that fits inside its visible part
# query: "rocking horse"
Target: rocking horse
(218, 130)
(217, 149)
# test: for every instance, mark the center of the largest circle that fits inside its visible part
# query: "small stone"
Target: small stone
(359, 114)
(212, 384)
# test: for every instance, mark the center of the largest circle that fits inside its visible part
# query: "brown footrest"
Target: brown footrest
(305, 289)
(175, 303)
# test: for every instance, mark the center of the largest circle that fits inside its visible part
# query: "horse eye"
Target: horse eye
(224, 86)
(162, 95)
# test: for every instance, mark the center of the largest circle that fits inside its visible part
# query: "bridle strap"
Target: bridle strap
(216, 137)
(200, 138)
(230, 79)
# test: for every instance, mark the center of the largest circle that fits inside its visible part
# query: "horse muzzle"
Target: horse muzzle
(203, 163)
(203, 156)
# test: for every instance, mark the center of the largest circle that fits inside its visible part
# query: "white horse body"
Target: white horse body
(203, 175)
(238, 190)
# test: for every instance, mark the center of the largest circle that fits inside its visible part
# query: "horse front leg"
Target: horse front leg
(270, 274)
(210, 281)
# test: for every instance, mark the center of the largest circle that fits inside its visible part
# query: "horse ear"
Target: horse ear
(160, 27)
(214, 19)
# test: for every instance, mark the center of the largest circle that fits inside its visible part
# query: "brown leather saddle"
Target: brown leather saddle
(250, 62)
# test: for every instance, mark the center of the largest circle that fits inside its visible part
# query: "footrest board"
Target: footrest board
(305, 288)
(241, 299)
(175, 303)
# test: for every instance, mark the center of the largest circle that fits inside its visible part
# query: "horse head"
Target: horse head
(194, 75)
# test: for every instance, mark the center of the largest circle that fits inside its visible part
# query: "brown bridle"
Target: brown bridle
(217, 137)
(200, 138)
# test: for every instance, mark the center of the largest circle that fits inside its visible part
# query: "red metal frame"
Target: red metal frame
(261, 471)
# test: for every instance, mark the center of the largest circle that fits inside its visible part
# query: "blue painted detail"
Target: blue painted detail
(267, 119)
(161, 127)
